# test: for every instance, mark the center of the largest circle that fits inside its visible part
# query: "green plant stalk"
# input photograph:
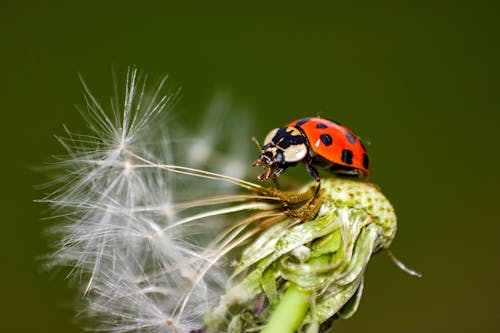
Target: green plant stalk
(290, 312)
(294, 305)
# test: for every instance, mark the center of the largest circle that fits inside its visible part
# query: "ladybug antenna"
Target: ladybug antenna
(257, 161)
(256, 142)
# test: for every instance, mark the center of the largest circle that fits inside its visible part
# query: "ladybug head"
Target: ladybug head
(282, 148)
(272, 159)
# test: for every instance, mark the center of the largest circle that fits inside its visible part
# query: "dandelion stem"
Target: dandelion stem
(290, 311)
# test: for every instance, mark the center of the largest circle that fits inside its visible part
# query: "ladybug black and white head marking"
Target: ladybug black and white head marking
(283, 147)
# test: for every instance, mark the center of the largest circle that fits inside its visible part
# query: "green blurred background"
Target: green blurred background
(419, 81)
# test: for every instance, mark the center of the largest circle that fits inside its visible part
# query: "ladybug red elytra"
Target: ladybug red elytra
(318, 143)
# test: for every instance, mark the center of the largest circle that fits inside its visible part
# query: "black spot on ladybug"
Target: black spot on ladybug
(321, 126)
(366, 162)
(326, 139)
(350, 137)
(346, 156)
(302, 121)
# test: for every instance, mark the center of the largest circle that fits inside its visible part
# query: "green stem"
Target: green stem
(290, 311)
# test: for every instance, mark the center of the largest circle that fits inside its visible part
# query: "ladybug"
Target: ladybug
(318, 143)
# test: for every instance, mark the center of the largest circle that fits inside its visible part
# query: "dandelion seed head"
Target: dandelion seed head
(120, 233)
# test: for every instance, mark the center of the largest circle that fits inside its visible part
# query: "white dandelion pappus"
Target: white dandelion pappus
(124, 235)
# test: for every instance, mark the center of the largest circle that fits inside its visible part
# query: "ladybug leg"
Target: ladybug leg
(278, 171)
(312, 170)
(272, 173)
(315, 202)
(264, 175)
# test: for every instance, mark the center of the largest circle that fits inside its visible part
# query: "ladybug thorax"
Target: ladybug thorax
(284, 145)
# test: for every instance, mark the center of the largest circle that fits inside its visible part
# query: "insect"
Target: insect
(318, 143)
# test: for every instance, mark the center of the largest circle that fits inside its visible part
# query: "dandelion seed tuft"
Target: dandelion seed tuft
(118, 218)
